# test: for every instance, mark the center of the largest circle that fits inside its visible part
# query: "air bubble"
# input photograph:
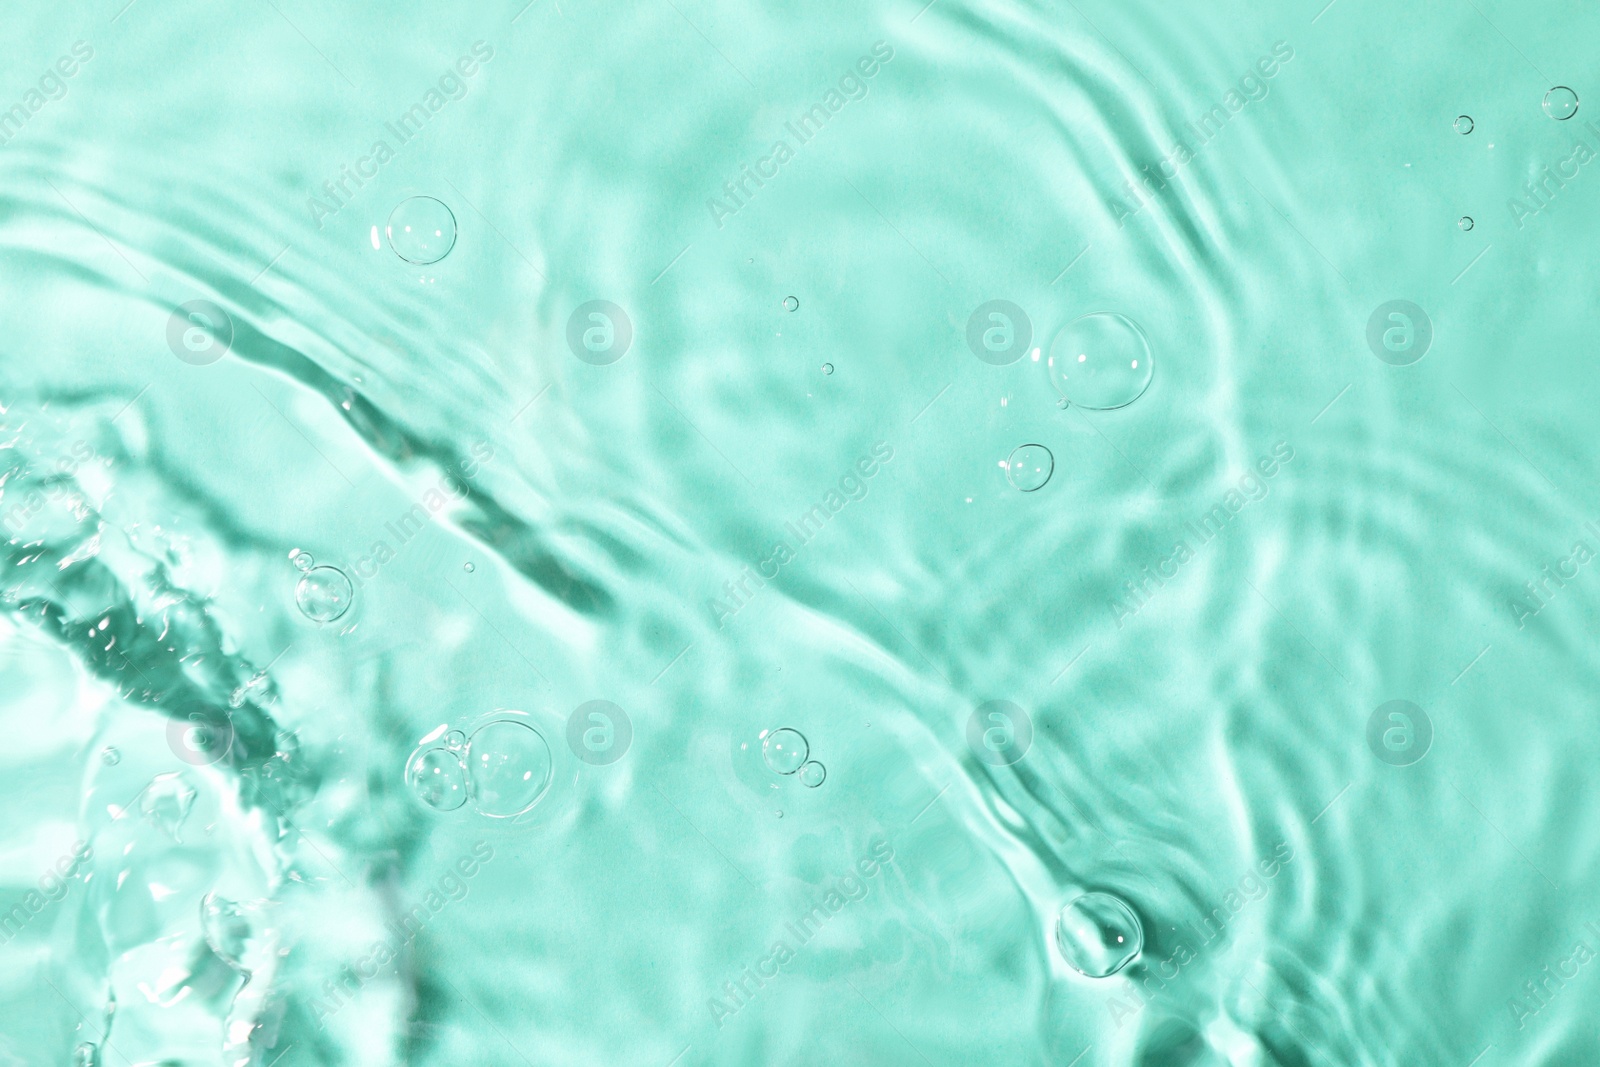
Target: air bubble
(421, 230)
(110, 756)
(812, 774)
(324, 594)
(1561, 103)
(1465, 222)
(509, 768)
(437, 778)
(86, 1055)
(1098, 935)
(1101, 361)
(827, 368)
(785, 750)
(791, 303)
(468, 567)
(1463, 124)
(167, 801)
(1029, 467)
(455, 739)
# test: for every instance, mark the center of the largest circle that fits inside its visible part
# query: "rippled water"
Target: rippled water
(1041, 534)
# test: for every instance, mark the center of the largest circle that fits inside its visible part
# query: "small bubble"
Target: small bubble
(827, 368)
(812, 774)
(302, 560)
(86, 1055)
(1463, 124)
(1465, 222)
(785, 750)
(455, 739)
(791, 303)
(1098, 935)
(1561, 103)
(421, 230)
(1030, 467)
(468, 567)
(438, 779)
(324, 594)
(508, 768)
(1101, 361)
(110, 756)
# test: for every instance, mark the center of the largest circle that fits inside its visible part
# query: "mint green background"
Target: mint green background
(1171, 753)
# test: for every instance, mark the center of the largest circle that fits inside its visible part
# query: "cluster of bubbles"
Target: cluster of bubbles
(323, 593)
(1098, 362)
(786, 751)
(503, 769)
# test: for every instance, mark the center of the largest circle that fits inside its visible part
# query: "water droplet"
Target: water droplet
(791, 303)
(167, 802)
(1561, 103)
(785, 750)
(468, 567)
(1098, 935)
(324, 594)
(813, 774)
(1029, 467)
(110, 756)
(1463, 124)
(509, 767)
(421, 230)
(1101, 361)
(438, 779)
(1465, 222)
(827, 368)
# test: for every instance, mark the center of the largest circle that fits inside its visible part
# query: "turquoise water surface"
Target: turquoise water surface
(687, 534)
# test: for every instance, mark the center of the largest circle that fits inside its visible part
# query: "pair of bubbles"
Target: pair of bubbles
(1099, 362)
(503, 768)
(323, 594)
(787, 752)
